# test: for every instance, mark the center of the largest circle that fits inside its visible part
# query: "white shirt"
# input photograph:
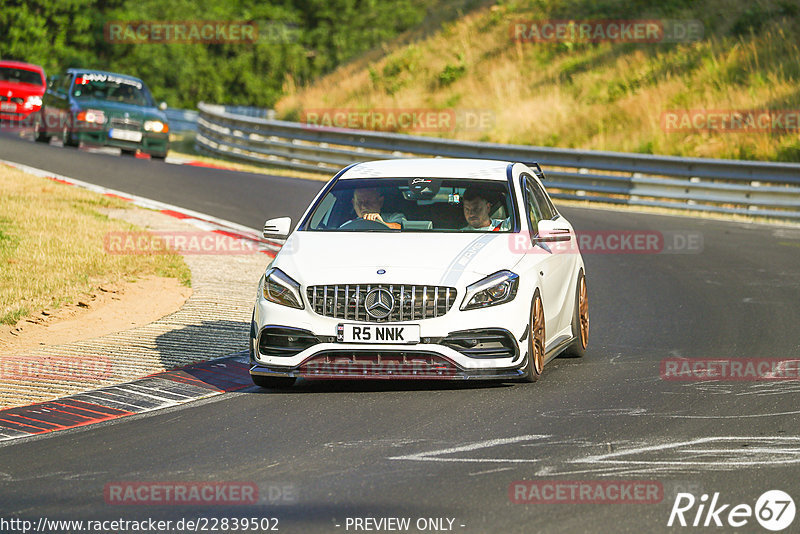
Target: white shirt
(496, 225)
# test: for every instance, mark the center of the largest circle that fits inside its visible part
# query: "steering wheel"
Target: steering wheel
(363, 224)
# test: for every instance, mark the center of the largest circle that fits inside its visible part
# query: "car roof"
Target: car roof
(107, 73)
(21, 65)
(486, 169)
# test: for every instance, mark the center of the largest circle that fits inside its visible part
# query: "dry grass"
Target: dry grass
(51, 246)
(603, 96)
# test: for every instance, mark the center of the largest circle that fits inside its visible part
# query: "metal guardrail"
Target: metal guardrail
(185, 120)
(181, 120)
(723, 186)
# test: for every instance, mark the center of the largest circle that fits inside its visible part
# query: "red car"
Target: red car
(22, 87)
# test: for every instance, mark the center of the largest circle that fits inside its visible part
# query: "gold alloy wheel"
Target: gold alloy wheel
(537, 334)
(583, 310)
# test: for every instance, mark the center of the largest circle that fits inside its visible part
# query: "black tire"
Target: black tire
(580, 321)
(127, 152)
(158, 156)
(534, 364)
(273, 382)
(67, 136)
(39, 133)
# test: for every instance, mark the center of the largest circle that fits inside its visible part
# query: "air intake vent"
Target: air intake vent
(482, 343)
(285, 341)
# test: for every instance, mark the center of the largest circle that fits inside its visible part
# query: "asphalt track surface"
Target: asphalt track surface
(328, 451)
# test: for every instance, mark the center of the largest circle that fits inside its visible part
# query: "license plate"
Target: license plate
(8, 106)
(399, 334)
(125, 135)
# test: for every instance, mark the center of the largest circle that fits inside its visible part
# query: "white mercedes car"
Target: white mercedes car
(423, 269)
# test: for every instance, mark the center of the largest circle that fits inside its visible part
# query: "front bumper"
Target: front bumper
(151, 143)
(473, 345)
(373, 371)
(19, 117)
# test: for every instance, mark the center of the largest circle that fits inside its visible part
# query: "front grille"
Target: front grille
(125, 124)
(491, 343)
(389, 364)
(411, 302)
(15, 99)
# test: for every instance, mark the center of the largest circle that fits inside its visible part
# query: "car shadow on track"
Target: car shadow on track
(305, 386)
(196, 344)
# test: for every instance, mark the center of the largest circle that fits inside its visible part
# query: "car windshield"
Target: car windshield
(111, 88)
(17, 75)
(414, 205)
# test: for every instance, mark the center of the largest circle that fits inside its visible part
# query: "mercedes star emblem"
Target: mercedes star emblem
(379, 303)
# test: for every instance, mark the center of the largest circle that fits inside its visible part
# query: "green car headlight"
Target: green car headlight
(156, 126)
(281, 289)
(498, 288)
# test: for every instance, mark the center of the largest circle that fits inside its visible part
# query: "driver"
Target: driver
(476, 211)
(368, 202)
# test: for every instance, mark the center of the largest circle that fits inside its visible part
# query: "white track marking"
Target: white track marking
(771, 455)
(434, 456)
(488, 471)
(721, 453)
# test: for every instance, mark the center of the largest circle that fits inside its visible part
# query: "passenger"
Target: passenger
(368, 203)
(476, 212)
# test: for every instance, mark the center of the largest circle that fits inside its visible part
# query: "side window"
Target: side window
(531, 205)
(546, 208)
(63, 85)
(323, 212)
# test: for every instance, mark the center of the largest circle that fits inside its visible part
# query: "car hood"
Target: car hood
(118, 109)
(21, 90)
(448, 259)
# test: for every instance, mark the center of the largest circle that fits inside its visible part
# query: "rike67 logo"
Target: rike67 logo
(774, 510)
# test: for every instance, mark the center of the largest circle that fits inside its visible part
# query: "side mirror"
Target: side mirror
(552, 232)
(162, 106)
(277, 228)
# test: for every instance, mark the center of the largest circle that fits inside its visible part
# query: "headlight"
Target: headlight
(499, 288)
(281, 289)
(92, 115)
(33, 101)
(156, 126)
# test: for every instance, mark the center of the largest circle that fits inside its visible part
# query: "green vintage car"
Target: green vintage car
(103, 109)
